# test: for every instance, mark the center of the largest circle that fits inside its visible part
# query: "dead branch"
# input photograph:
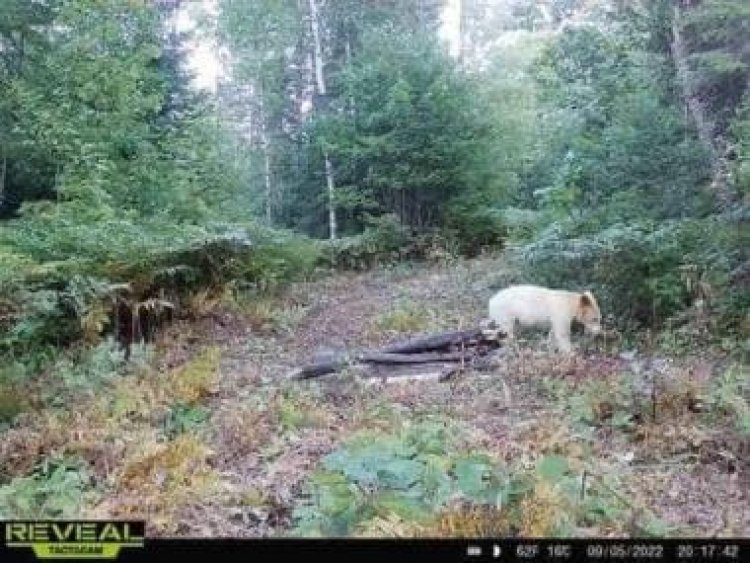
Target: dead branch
(464, 346)
(423, 358)
(336, 364)
(436, 341)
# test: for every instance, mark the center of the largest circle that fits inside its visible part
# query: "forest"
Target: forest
(354, 174)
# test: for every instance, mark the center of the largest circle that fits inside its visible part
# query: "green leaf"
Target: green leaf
(408, 508)
(655, 527)
(599, 509)
(552, 467)
(474, 477)
(335, 499)
(400, 473)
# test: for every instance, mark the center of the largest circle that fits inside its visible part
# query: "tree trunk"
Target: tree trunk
(267, 175)
(3, 169)
(332, 226)
(461, 33)
(694, 106)
(266, 157)
(352, 101)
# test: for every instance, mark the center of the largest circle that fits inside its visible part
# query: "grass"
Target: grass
(202, 425)
(297, 409)
(136, 439)
(403, 318)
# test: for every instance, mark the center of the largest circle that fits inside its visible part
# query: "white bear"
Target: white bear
(532, 305)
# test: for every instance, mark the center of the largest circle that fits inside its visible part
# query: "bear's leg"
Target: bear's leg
(561, 335)
(551, 341)
(507, 325)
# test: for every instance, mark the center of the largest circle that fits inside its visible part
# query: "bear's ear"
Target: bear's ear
(587, 299)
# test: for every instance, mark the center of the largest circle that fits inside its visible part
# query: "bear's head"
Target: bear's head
(588, 313)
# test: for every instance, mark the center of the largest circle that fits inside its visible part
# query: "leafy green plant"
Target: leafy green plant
(476, 228)
(596, 402)
(376, 474)
(184, 418)
(416, 475)
(637, 270)
(12, 402)
(383, 241)
(297, 410)
(730, 394)
(55, 490)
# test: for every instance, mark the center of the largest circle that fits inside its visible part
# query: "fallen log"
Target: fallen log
(320, 368)
(373, 374)
(453, 346)
(423, 358)
(436, 341)
(482, 361)
(336, 364)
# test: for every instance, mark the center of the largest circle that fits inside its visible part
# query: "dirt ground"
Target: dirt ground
(344, 313)
(264, 435)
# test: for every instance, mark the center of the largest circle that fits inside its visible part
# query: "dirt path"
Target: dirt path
(213, 440)
(348, 311)
(269, 434)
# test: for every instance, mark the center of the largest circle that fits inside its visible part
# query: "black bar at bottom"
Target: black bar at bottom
(424, 550)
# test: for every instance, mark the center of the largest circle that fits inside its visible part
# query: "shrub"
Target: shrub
(419, 482)
(475, 229)
(644, 274)
(383, 241)
(69, 281)
(386, 241)
(55, 490)
(522, 224)
(730, 395)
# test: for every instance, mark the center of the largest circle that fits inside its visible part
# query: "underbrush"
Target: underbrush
(137, 447)
(403, 318)
(424, 481)
(664, 411)
(684, 275)
(70, 291)
(58, 488)
(385, 242)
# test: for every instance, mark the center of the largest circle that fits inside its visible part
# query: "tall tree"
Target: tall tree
(709, 49)
(315, 23)
(260, 36)
(25, 172)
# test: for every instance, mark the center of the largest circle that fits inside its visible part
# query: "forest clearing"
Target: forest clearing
(249, 441)
(206, 287)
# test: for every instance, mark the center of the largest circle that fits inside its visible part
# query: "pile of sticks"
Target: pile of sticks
(452, 351)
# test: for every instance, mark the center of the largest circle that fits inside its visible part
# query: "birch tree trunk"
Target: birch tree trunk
(461, 32)
(266, 156)
(348, 53)
(321, 86)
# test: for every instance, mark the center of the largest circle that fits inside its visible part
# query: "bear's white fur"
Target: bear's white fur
(532, 305)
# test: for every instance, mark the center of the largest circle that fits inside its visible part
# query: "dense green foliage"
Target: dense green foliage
(583, 132)
(121, 197)
(570, 126)
(395, 121)
(600, 144)
(625, 182)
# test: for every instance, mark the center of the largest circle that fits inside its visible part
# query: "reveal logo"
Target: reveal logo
(73, 540)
